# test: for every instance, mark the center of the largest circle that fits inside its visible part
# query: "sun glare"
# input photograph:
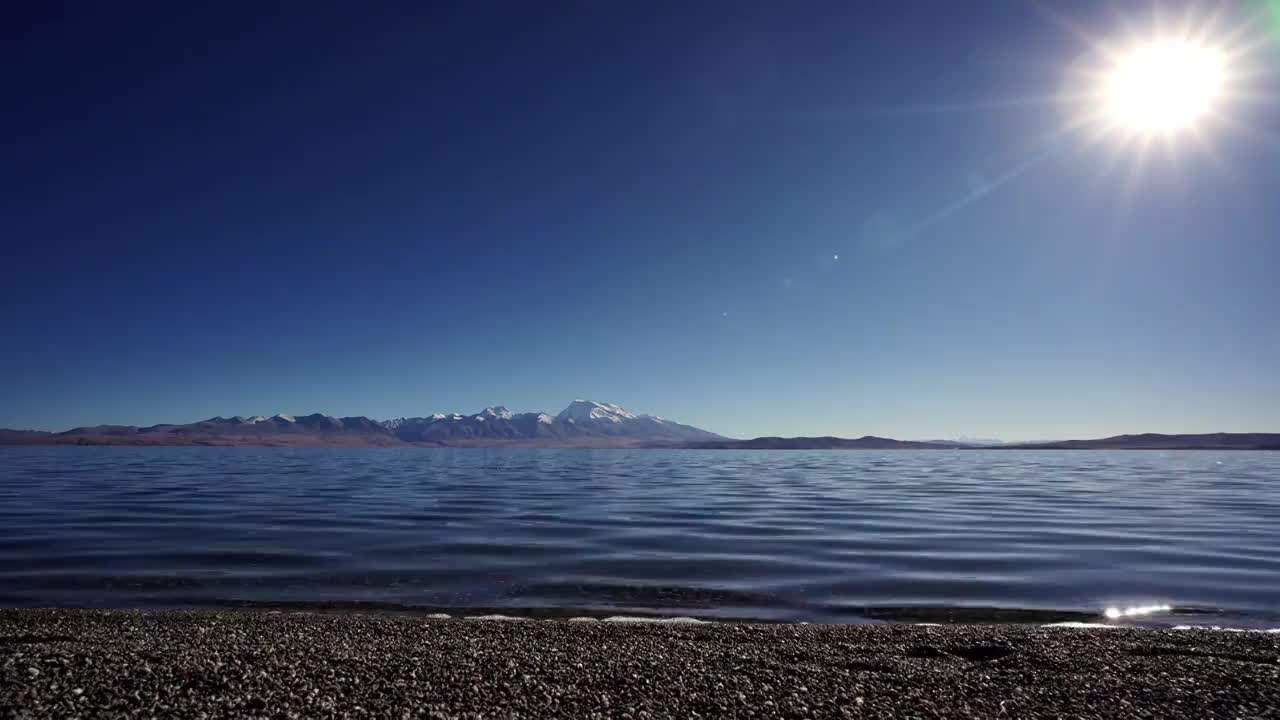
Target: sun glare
(1164, 87)
(1171, 88)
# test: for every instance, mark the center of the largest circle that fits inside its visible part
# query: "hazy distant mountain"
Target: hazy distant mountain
(868, 442)
(967, 442)
(1153, 441)
(584, 423)
(1214, 441)
(16, 437)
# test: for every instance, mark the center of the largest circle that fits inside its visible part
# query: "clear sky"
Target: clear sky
(789, 218)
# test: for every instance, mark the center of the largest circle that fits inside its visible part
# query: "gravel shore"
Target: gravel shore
(207, 664)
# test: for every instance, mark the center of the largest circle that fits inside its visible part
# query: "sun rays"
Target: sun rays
(1165, 85)
(1153, 86)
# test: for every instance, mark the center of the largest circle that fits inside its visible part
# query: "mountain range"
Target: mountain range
(1148, 441)
(584, 423)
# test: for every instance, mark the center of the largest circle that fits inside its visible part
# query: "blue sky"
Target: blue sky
(760, 218)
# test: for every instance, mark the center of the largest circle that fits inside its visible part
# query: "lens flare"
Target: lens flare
(1171, 87)
(1164, 86)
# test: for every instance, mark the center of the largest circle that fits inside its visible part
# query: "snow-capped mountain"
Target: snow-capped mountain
(583, 422)
(581, 411)
(495, 413)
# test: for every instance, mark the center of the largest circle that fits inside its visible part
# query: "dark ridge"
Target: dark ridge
(1147, 441)
(1155, 441)
(24, 437)
(869, 442)
(364, 424)
(972, 653)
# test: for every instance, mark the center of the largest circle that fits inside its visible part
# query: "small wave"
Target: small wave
(1219, 628)
(644, 595)
(971, 615)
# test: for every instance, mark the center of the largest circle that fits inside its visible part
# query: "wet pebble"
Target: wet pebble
(292, 665)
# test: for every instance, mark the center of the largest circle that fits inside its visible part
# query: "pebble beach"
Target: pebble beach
(271, 664)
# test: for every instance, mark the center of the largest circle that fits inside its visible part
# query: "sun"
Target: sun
(1180, 86)
(1170, 85)
(1163, 87)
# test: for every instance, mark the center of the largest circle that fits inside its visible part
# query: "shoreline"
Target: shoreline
(867, 615)
(271, 663)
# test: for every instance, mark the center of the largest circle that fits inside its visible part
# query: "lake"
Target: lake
(839, 536)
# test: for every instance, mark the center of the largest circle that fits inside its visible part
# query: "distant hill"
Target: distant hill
(19, 437)
(584, 423)
(966, 442)
(1213, 441)
(1153, 441)
(868, 442)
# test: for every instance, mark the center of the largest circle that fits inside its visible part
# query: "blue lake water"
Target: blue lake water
(815, 536)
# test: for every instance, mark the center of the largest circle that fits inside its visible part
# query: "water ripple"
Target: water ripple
(780, 535)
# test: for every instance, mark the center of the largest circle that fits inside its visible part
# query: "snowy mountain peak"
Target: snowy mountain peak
(584, 423)
(591, 411)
